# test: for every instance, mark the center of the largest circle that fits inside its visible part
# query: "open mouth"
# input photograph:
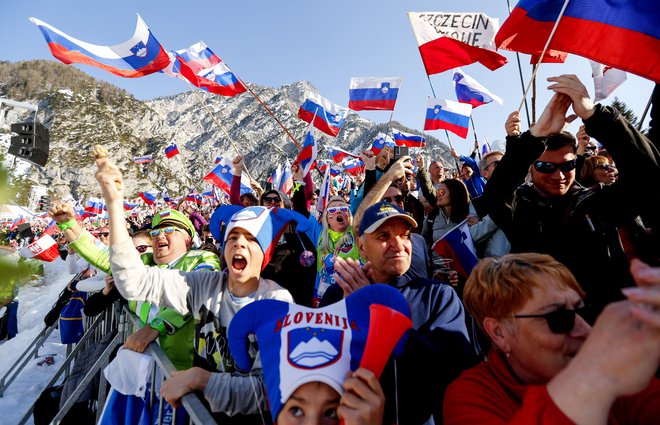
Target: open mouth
(239, 263)
(162, 245)
(340, 219)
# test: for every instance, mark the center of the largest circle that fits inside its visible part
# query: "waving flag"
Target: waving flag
(327, 116)
(195, 197)
(307, 155)
(448, 115)
(204, 69)
(283, 178)
(622, 34)
(485, 148)
(354, 166)
(338, 154)
(447, 40)
(457, 245)
(373, 93)
(148, 197)
(128, 206)
(145, 159)
(221, 177)
(139, 56)
(407, 139)
(324, 192)
(171, 150)
(94, 206)
(323, 166)
(550, 56)
(380, 142)
(44, 249)
(468, 90)
(606, 80)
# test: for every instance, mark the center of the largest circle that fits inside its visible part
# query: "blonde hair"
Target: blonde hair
(590, 165)
(325, 244)
(497, 287)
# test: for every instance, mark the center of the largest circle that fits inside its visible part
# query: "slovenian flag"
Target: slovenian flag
(327, 116)
(204, 69)
(141, 55)
(128, 206)
(457, 245)
(373, 93)
(307, 155)
(354, 166)
(407, 139)
(194, 196)
(94, 206)
(380, 142)
(145, 159)
(448, 115)
(468, 90)
(448, 40)
(221, 177)
(171, 150)
(148, 197)
(624, 34)
(338, 154)
(282, 178)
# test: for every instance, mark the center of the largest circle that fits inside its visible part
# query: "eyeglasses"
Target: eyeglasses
(606, 167)
(559, 321)
(142, 248)
(167, 230)
(494, 164)
(271, 199)
(397, 199)
(550, 167)
(335, 210)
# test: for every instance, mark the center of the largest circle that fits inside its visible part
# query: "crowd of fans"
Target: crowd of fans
(559, 321)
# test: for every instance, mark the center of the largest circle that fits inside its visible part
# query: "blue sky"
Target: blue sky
(279, 42)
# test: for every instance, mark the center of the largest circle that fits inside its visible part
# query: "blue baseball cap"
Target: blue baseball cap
(378, 214)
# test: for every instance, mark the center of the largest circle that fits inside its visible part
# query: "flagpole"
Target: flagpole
(545, 48)
(522, 80)
(446, 132)
(646, 110)
(476, 140)
(534, 93)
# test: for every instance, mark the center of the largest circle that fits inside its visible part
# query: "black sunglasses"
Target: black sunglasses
(494, 164)
(142, 248)
(550, 167)
(104, 234)
(393, 199)
(559, 321)
(606, 167)
(271, 199)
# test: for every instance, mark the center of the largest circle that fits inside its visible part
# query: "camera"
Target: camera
(400, 151)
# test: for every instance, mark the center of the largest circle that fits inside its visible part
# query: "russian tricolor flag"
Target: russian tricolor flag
(447, 40)
(457, 245)
(217, 78)
(129, 205)
(171, 150)
(141, 55)
(327, 116)
(380, 142)
(468, 90)
(407, 139)
(622, 34)
(221, 176)
(307, 155)
(373, 93)
(145, 159)
(148, 197)
(448, 115)
(338, 154)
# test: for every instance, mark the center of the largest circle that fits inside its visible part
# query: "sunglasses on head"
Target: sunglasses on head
(167, 230)
(559, 321)
(550, 167)
(142, 248)
(397, 199)
(335, 210)
(271, 199)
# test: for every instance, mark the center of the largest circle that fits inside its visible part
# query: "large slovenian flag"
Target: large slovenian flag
(141, 55)
(338, 154)
(381, 141)
(171, 150)
(407, 139)
(624, 34)
(448, 115)
(148, 197)
(468, 90)
(44, 249)
(457, 245)
(144, 159)
(204, 69)
(448, 40)
(307, 155)
(373, 93)
(327, 116)
(221, 176)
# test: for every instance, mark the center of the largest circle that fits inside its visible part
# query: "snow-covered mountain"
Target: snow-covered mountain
(81, 112)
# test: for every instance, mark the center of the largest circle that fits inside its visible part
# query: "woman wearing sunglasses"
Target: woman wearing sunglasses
(547, 365)
(596, 170)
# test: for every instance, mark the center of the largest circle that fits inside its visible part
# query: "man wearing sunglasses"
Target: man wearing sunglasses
(554, 214)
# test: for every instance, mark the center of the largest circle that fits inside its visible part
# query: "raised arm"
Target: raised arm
(235, 190)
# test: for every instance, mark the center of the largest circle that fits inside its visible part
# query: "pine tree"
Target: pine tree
(624, 110)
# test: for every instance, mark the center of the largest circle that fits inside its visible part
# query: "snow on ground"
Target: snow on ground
(35, 300)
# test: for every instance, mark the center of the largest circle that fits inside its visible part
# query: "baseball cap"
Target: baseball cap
(173, 218)
(378, 214)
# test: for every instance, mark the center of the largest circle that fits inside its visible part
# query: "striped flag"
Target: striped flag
(448, 115)
(145, 159)
(171, 151)
(407, 139)
(373, 93)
